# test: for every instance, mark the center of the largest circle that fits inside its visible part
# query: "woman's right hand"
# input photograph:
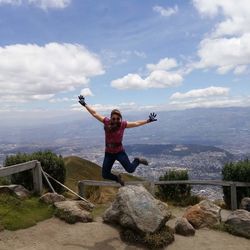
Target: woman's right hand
(82, 100)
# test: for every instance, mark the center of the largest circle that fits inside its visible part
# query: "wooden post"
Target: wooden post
(152, 188)
(37, 178)
(233, 197)
(81, 189)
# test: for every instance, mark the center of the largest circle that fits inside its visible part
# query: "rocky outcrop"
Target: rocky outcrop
(238, 223)
(73, 211)
(203, 214)
(16, 190)
(183, 227)
(141, 217)
(51, 198)
(245, 204)
(135, 208)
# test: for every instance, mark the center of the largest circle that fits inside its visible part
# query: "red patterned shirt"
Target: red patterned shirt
(113, 139)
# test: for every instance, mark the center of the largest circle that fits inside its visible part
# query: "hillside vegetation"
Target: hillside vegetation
(81, 169)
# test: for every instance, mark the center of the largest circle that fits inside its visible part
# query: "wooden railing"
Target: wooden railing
(233, 186)
(36, 171)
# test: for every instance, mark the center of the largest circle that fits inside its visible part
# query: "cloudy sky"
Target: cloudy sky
(134, 55)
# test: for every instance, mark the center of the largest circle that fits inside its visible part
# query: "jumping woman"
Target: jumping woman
(114, 128)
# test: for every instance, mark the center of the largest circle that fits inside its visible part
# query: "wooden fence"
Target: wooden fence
(233, 186)
(36, 171)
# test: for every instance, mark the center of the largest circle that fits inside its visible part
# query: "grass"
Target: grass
(19, 214)
(80, 169)
(99, 210)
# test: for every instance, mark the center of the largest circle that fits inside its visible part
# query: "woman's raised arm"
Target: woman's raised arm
(152, 118)
(98, 116)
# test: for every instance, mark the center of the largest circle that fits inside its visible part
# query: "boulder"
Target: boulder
(73, 211)
(51, 198)
(203, 214)
(238, 222)
(245, 204)
(135, 208)
(16, 190)
(183, 227)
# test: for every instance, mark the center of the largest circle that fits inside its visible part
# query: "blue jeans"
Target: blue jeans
(122, 157)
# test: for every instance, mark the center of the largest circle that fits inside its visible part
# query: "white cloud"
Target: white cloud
(29, 72)
(123, 107)
(225, 53)
(227, 46)
(158, 77)
(163, 64)
(201, 93)
(86, 92)
(209, 103)
(12, 2)
(236, 15)
(110, 57)
(43, 4)
(166, 11)
(211, 97)
(63, 99)
(50, 4)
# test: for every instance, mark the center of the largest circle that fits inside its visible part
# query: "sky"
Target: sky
(133, 55)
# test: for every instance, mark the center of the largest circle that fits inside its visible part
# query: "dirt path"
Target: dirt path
(57, 235)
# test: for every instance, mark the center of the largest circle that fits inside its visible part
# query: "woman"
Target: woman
(114, 128)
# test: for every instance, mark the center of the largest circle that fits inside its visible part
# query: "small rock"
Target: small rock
(203, 214)
(51, 198)
(245, 204)
(183, 227)
(17, 190)
(239, 223)
(73, 211)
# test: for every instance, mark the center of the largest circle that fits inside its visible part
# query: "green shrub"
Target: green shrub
(50, 162)
(22, 178)
(54, 166)
(239, 171)
(4, 181)
(174, 192)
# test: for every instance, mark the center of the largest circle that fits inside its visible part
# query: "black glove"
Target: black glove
(152, 117)
(82, 100)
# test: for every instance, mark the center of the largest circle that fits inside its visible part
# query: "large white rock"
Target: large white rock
(135, 208)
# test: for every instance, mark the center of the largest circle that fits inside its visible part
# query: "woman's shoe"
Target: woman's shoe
(142, 161)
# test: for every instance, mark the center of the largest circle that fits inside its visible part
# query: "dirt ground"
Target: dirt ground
(58, 235)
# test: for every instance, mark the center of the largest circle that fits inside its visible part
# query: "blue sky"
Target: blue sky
(134, 55)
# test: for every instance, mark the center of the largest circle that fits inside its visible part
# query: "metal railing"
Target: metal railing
(233, 186)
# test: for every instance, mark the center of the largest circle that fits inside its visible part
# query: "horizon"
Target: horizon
(139, 58)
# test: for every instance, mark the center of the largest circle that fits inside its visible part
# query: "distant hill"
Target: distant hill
(81, 169)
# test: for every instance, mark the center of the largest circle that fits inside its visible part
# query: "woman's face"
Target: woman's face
(115, 119)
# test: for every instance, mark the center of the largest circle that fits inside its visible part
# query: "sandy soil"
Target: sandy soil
(57, 235)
